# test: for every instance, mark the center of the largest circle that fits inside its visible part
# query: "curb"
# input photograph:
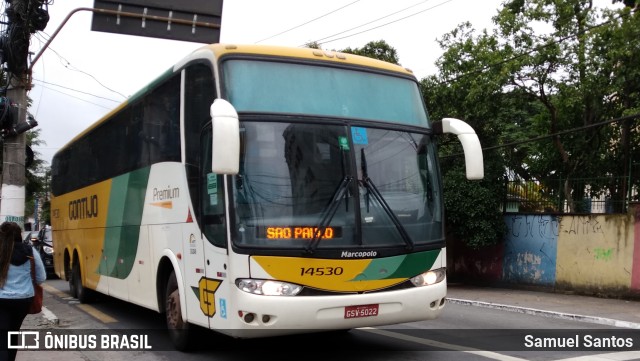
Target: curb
(538, 312)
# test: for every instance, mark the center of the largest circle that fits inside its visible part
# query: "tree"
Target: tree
(38, 179)
(473, 211)
(520, 82)
(377, 50)
(313, 45)
(570, 72)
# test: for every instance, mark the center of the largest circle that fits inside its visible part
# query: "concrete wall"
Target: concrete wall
(589, 254)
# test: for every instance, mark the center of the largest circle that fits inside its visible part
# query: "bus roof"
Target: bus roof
(220, 50)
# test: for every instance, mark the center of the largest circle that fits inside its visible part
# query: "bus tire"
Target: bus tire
(83, 294)
(178, 329)
(72, 283)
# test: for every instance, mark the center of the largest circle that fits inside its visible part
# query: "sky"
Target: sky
(83, 74)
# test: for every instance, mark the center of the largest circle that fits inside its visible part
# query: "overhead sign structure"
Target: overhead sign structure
(185, 20)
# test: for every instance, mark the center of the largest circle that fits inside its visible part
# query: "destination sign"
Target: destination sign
(298, 232)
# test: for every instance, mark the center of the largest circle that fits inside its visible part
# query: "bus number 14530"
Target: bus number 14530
(321, 271)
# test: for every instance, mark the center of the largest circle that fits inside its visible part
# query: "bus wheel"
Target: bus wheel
(77, 289)
(72, 283)
(177, 327)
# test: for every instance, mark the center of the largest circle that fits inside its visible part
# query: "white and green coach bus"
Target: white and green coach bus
(261, 191)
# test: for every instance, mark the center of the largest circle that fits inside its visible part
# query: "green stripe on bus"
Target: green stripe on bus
(403, 266)
(126, 203)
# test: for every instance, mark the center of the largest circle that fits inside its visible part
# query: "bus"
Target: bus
(261, 191)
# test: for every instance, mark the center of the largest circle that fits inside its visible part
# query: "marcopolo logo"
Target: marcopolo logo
(362, 254)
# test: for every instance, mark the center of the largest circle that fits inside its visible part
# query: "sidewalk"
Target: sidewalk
(605, 311)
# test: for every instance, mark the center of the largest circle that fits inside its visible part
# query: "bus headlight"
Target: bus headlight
(429, 278)
(268, 287)
(47, 249)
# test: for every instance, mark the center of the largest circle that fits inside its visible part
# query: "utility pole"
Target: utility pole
(13, 159)
(24, 18)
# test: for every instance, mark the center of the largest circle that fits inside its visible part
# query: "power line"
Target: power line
(310, 21)
(77, 91)
(578, 129)
(380, 26)
(86, 101)
(542, 137)
(372, 21)
(71, 67)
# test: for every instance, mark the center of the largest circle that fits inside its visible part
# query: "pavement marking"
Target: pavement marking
(538, 312)
(50, 316)
(438, 344)
(54, 291)
(101, 316)
(614, 356)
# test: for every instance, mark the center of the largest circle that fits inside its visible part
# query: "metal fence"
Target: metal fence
(586, 196)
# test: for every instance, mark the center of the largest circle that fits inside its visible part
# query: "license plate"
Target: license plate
(361, 311)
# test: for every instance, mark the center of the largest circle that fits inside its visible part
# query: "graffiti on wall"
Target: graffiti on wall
(584, 225)
(530, 249)
(602, 254)
(533, 226)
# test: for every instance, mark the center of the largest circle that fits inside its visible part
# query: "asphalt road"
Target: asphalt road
(463, 332)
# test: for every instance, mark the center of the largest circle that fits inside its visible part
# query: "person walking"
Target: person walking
(16, 287)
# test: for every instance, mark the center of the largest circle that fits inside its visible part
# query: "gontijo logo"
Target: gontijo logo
(83, 208)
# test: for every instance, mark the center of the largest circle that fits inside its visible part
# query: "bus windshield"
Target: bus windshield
(267, 86)
(311, 185)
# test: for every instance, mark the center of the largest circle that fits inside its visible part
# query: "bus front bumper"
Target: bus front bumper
(263, 316)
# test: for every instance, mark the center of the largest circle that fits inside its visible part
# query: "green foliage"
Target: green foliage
(38, 178)
(377, 50)
(519, 82)
(313, 45)
(473, 208)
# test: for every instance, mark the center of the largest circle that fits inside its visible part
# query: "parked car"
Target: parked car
(30, 237)
(43, 243)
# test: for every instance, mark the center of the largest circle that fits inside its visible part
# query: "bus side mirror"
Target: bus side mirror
(473, 160)
(225, 147)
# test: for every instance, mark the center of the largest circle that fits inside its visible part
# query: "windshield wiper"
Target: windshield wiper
(328, 213)
(371, 188)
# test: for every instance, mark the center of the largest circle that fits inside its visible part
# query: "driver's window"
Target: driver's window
(211, 196)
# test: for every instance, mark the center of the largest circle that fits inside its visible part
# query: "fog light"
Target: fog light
(249, 317)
